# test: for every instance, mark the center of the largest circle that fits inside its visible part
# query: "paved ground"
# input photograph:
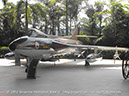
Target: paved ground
(67, 78)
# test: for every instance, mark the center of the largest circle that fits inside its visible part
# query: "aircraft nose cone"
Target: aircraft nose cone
(13, 45)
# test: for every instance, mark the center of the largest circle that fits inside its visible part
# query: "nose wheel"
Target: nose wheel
(125, 68)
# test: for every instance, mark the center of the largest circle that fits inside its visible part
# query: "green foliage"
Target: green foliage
(108, 54)
(110, 22)
(115, 32)
(85, 40)
(12, 20)
(4, 47)
(3, 51)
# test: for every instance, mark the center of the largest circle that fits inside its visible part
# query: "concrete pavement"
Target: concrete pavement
(66, 78)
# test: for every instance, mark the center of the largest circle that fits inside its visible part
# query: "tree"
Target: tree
(117, 31)
(4, 2)
(99, 15)
(92, 23)
(73, 10)
(6, 22)
(13, 26)
(53, 12)
(35, 14)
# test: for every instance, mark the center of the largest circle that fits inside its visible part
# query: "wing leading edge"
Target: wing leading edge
(93, 47)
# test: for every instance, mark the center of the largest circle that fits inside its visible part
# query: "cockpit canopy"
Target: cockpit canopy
(32, 32)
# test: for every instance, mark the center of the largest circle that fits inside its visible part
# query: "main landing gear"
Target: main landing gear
(87, 63)
(125, 66)
(31, 68)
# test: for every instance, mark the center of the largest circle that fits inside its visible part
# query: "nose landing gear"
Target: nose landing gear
(31, 68)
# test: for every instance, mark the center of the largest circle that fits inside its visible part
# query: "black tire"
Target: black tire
(26, 70)
(125, 70)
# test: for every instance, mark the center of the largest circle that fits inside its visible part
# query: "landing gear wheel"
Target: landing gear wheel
(125, 68)
(87, 63)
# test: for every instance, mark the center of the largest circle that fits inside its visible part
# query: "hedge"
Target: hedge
(3, 51)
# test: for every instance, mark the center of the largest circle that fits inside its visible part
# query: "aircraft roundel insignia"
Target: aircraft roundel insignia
(37, 45)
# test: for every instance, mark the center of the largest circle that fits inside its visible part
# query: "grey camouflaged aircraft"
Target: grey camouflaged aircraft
(40, 46)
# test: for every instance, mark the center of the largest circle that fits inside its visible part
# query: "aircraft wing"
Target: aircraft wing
(93, 47)
(99, 47)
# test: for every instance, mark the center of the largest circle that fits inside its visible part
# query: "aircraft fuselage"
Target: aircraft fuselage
(40, 47)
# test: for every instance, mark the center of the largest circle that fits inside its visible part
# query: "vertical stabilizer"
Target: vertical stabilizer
(76, 32)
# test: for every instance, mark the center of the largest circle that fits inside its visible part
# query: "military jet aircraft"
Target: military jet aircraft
(40, 46)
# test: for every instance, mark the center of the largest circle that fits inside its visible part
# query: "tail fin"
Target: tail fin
(76, 32)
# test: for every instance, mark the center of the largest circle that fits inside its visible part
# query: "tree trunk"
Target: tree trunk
(58, 26)
(26, 16)
(53, 27)
(46, 25)
(100, 26)
(66, 17)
